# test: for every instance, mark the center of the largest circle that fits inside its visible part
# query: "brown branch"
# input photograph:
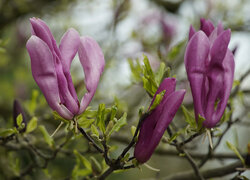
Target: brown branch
(209, 173)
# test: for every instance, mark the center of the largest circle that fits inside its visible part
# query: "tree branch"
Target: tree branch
(210, 173)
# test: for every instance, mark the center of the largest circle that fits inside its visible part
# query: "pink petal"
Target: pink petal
(92, 60)
(43, 71)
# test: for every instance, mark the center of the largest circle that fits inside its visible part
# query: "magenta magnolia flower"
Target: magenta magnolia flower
(210, 70)
(154, 126)
(50, 67)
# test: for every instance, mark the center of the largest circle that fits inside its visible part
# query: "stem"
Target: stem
(96, 146)
(57, 129)
(132, 142)
(106, 173)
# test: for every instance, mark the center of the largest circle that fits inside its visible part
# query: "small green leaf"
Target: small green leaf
(176, 50)
(157, 100)
(94, 130)
(6, 132)
(84, 122)
(189, 118)
(83, 160)
(133, 129)
(119, 124)
(113, 112)
(161, 73)
(19, 120)
(236, 83)
(101, 117)
(58, 117)
(147, 66)
(46, 136)
(33, 103)
(95, 165)
(136, 70)
(32, 125)
(200, 122)
(234, 149)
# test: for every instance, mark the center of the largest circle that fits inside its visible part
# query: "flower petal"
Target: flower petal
(191, 32)
(167, 84)
(68, 47)
(195, 61)
(219, 47)
(41, 30)
(43, 71)
(92, 60)
(227, 76)
(206, 26)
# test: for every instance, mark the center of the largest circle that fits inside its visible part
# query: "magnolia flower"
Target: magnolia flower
(155, 124)
(50, 67)
(210, 70)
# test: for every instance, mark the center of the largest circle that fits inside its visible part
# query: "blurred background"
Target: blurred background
(125, 29)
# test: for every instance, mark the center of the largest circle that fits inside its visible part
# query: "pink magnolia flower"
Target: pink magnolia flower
(154, 126)
(50, 67)
(210, 70)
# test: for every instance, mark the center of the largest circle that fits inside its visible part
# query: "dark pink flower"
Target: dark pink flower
(210, 70)
(154, 126)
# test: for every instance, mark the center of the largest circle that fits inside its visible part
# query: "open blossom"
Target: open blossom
(50, 67)
(210, 70)
(155, 124)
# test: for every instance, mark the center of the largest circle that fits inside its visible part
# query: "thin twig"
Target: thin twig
(96, 146)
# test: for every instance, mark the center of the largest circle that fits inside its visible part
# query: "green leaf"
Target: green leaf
(161, 73)
(58, 117)
(83, 160)
(6, 132)
(113, 112)
(94, 130)
(33, 103)
(84, 122)
(101, 117)
(136, 70)
(158, 99)
(133, 129)
(46, 136)
(200, 122)
(234, 149)
(189, 118)
(176, 50)
(32, 125)
(19, 120)
(119, 124)
(147, 68)
(95, 165)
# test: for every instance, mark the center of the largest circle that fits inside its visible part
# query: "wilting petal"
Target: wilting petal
(206, 26)
(219, 47)
(155, 125)
(43, 71)
(92, 60)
